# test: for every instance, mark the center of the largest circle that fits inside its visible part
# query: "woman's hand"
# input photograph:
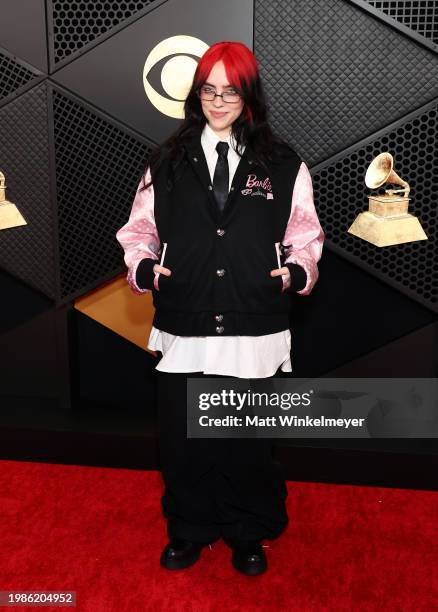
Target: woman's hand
(284, 273)
(161, 270)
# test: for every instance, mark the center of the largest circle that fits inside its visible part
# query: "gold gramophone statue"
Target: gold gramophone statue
(10, 216)
(387, 221)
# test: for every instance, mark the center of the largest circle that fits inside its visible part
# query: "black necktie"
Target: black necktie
(221, 175)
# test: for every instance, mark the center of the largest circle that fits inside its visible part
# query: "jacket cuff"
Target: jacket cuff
(298, 276)
(144, 276)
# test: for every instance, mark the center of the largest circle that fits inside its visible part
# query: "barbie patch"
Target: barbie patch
(258, 187)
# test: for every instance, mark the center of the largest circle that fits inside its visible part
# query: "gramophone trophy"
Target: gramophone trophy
(10, 216)
(387, 221)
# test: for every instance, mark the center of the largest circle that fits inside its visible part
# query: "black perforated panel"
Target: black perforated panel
(12, 76)
(75, 24)
(341, 194)
(27, 251)
(333, 78)
(98, 167)
(336, 73)
(419, 15)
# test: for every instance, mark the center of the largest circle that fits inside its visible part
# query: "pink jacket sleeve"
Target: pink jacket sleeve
(140, 241)
(304, 237)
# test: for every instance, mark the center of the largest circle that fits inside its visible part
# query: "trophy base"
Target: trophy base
(10, 216)
(387, 231)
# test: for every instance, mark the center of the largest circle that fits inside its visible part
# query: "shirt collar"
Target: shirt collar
(209, 139)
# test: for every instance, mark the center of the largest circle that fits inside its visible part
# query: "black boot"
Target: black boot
(248, 557)
(179, 553)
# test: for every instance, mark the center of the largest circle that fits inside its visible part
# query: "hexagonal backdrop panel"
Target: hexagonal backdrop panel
(336, 73)
(14, 76)
(29, 251)
(418, 15)
(74, 25)
(110, 75)
(98, 168)
(411, 267)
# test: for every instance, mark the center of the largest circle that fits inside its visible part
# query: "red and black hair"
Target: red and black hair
(240, 67)
(250, 128)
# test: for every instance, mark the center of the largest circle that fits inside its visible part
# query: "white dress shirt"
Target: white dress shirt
(239, 356)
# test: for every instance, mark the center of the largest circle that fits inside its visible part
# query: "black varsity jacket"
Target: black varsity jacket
(220, 282)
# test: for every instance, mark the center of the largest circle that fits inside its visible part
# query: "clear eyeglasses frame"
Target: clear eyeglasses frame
(209, 94)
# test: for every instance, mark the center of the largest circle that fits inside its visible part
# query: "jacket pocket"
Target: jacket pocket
(278, 279)
(157, 278)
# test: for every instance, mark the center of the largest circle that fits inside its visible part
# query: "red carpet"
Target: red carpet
(99, 532)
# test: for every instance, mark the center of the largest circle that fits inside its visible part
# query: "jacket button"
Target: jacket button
(210, 187)
(220, 272)
(220, 329)
(232, 188)
(220, 232)
(195, 159)
(219, 318)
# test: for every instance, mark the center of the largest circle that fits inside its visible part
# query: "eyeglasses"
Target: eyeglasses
(209, 94)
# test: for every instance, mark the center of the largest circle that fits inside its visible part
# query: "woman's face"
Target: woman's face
(219, 114)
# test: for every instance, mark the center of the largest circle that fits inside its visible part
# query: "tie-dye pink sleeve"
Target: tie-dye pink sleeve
(304, 237)
(139, 239)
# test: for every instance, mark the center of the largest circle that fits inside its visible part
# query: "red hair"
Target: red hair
(240, 66)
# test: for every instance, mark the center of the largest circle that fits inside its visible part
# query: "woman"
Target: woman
(222, 203)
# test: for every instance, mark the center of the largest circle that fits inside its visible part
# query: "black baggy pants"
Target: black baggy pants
(215, 487)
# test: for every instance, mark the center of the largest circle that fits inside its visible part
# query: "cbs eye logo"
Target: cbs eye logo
(176, 73)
